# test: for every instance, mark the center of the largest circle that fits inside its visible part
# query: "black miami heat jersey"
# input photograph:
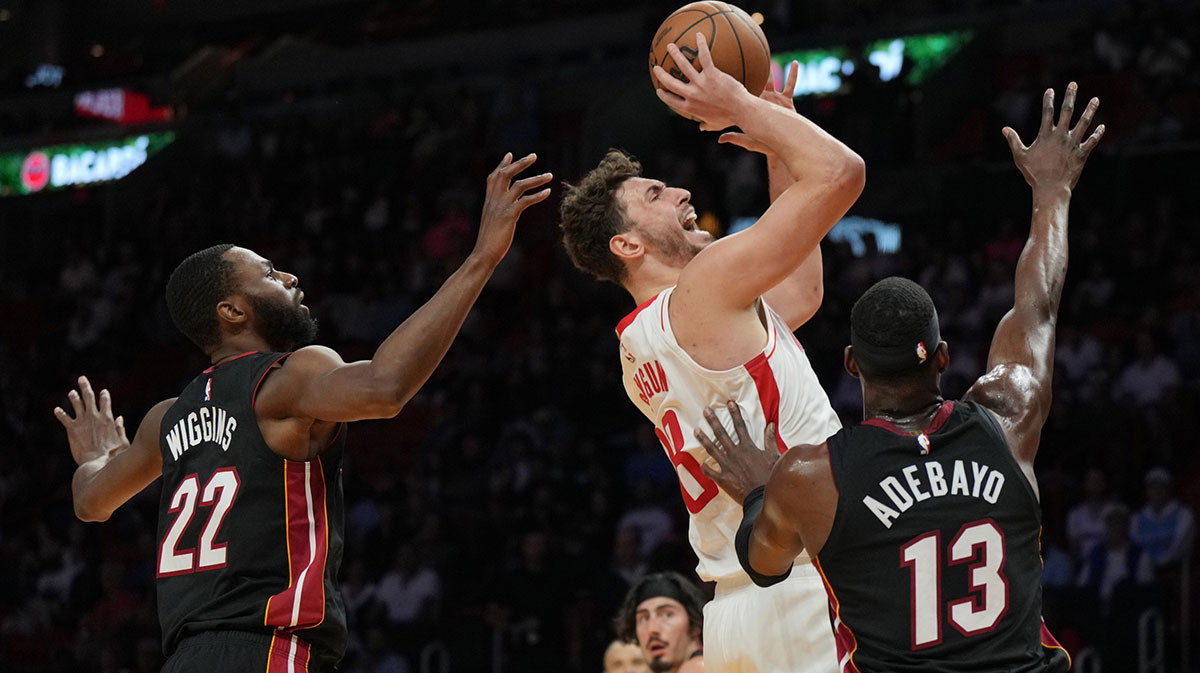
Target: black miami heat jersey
(247, 540)
(933, 560)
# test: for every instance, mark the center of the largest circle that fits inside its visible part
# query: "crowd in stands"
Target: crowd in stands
(496, 522)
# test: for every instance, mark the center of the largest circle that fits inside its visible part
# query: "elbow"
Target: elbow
(852, 174)
(88, 512)
(388, 399)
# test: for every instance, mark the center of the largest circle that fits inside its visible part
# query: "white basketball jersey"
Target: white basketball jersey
(672, 390)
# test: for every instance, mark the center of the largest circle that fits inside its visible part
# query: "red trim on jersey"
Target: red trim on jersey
(254, 394)
(628, 320)
(939, 419)
(210, 369)
(302, 604)
(843, 637)
(1048, 640)
(288, 654)
(768, 393)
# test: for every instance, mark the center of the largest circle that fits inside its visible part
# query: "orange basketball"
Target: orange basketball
(737, 44)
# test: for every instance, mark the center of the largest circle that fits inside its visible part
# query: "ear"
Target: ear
(849, 363)
(627, 246)
(230, 311)
(942, 355)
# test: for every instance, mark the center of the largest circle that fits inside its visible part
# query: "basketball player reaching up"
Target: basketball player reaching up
(250, 520)
(714, 322)
(924, 519)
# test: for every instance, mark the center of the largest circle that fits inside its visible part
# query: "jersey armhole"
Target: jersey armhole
(275, 364)
(989, 417)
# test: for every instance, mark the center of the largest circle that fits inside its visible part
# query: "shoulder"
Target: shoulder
(802, 468)
(292, 377)
(1006, 390)
(153, 418)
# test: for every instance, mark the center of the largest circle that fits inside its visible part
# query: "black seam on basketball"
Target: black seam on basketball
(752, 27)
(738, 38)
(683, 32)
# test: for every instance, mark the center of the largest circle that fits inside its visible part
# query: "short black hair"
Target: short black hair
(893, 313)
(195, 288)
(687, 595)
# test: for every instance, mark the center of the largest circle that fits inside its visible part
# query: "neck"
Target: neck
(232, 347)
(647, 277)
(906, 408)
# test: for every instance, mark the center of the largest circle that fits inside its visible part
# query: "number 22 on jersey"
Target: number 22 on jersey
(218, 493)
(670, 434)
(981, 542)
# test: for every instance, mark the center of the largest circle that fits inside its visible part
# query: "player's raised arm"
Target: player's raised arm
(797, 297)
(1020, 363)
(315, 383)
(111, 468)
(828, 177)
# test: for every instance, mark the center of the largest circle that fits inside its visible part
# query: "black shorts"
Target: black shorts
(242, 652)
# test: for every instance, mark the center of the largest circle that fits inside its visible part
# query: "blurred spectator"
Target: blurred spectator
(410, 592)
(1164, 527)
(622, 657)
(1085, 521)
(648, 518)
(1116, 562)
(1148, 379)
(1120, 576)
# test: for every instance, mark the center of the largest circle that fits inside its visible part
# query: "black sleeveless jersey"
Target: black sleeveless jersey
(247, 540)
(933, 562)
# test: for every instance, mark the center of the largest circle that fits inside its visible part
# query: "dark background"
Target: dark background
(495, 523)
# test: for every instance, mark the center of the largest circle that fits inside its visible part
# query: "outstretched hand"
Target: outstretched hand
(505, 201)
(708, 95)
(784, 98)
(92, 432)
(1057, 155)
(744, 466)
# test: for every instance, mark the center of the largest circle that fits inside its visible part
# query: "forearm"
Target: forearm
(801, 147)
(89, 501)
(778, 176)
(764, 554)
(1042, 268)
(410, 354)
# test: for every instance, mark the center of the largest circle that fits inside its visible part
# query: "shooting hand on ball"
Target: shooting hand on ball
(784, 98)
(708, 95)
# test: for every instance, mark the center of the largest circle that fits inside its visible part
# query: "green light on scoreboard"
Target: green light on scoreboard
(827, 71)
(62, 166)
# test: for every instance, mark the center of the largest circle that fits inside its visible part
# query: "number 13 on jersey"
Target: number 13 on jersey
(980, 542)
(691, 478)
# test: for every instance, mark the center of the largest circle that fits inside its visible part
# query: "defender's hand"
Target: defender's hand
(93, 432)
(784, 98)
(708, 96)
(744, 466)
(506, 200)
(1057, 155)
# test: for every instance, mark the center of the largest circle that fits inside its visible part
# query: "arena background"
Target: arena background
(494, 525)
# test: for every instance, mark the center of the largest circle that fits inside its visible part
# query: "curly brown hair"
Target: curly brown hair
(591, 214)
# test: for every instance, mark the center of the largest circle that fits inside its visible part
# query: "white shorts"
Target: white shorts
(781, 629)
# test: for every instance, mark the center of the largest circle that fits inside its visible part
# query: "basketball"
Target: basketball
(737, 44)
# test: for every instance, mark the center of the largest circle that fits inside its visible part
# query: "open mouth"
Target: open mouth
(689, 221)
(656, 649)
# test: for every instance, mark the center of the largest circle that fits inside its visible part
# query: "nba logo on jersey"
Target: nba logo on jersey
(923, 440)
(208, 390)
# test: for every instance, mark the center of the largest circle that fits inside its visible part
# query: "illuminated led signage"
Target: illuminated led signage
(62, 166)
(827, 71)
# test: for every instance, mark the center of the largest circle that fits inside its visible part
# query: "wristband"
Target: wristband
(741, 543)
